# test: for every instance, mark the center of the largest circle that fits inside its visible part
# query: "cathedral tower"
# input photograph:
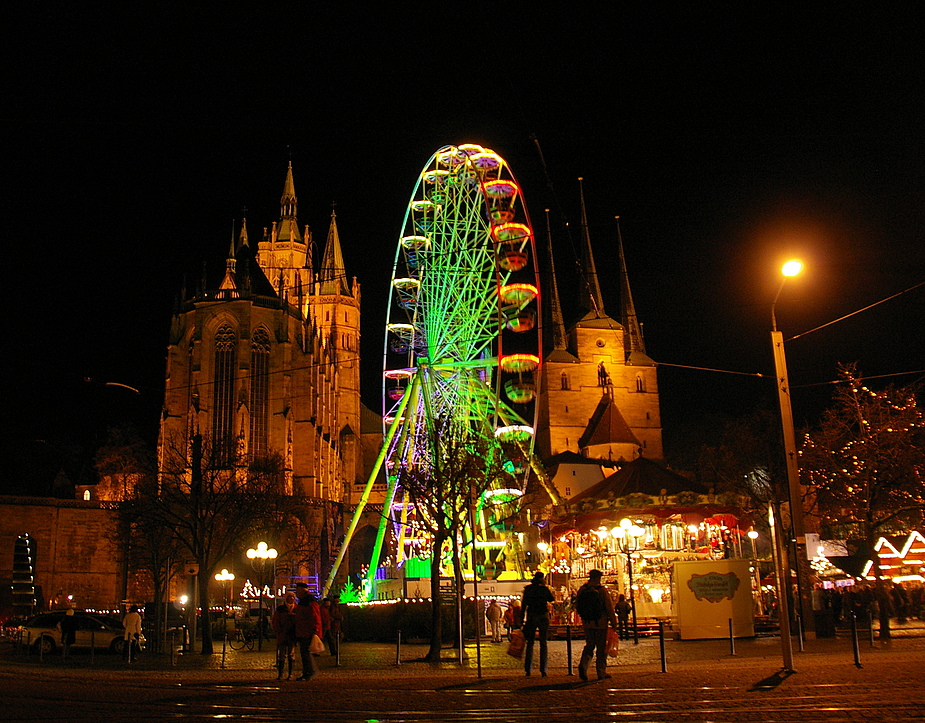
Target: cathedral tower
(599, 390)
(255, 369)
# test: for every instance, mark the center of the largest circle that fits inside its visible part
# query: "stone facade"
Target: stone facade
(78, 551)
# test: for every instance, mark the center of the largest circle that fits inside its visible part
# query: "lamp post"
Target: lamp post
(262, 553)
(628, 534)
(224, 577)
(794, 492)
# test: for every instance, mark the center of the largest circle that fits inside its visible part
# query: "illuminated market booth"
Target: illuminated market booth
(635, 524)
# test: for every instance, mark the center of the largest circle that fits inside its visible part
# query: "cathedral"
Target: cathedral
(264, 361)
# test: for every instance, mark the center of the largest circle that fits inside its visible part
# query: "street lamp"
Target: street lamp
(628, 536)
(262, 553)
(224, 577)
(794, 492)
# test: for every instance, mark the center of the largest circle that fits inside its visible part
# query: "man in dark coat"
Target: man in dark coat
(596, 629)
(535, 601)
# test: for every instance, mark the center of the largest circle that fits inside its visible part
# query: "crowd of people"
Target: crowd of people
(900, 600)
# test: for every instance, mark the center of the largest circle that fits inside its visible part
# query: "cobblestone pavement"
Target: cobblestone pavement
(704, 681)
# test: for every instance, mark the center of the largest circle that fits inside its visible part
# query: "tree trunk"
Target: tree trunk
(205, 620)
(436, 614)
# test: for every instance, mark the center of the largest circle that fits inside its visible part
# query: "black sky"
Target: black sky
(726, 137)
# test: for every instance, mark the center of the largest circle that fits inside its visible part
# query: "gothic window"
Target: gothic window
(640, 383)
(260, 391)
(564, 381)
(226, 342)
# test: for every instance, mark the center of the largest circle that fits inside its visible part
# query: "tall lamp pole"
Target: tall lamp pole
(794, 491)
(262, 553)
(628, 535)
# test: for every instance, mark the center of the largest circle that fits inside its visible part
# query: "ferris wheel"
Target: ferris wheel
(462, 337)
(462, 342)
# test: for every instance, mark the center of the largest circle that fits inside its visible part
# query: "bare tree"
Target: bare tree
(446, 490)
(212, 509)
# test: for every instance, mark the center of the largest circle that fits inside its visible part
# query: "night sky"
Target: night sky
(726, 139)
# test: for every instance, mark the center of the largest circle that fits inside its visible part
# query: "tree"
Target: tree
(746, 460)
(446, 492)
(866, 464)
(212, 509)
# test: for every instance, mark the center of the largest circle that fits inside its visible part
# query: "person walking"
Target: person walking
(307, 624)
(336, 626)
(623, 609)
(513, 618)
(495, 615)
(283, 624)
(132, 624)
(595, 608)
(68, 628)
(535, 602)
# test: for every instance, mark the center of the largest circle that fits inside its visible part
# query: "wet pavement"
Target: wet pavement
(704, 680)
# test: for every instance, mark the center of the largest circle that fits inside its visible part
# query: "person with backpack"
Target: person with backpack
(595, 608)
(535, 602)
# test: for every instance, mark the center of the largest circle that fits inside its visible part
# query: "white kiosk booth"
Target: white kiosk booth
(710, 593)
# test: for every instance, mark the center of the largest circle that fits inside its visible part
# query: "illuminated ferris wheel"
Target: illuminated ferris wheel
(462, 344)
(462, 338)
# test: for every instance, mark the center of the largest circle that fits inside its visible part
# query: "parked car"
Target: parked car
(97, 629)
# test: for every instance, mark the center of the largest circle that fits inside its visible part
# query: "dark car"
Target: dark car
(96, 629)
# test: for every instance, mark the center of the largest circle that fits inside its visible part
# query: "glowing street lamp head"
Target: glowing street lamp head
(792, 267)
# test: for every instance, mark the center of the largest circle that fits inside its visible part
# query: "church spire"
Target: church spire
(288, 204)
(555, 306)
(332, 275)
(288, 229)
(591, 298)
(228, 281)
(634, 344)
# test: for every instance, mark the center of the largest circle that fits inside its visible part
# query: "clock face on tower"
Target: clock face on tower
(600, 343)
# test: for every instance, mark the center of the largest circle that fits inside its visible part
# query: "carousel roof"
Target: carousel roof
(642, 476)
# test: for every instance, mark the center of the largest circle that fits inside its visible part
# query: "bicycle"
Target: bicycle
(239, 639)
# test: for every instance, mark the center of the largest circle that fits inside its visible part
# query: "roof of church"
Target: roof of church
(249, 275)
(607, 426)
(642, 476)
(593, 320)
(562, 356)
(332, 274)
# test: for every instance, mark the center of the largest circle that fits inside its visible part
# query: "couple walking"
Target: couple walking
(297, 622)
(597, 615)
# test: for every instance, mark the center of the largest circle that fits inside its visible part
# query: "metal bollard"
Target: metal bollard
(568, 646)
(800, 631)
(398, 650)
(732, 640)
(854, 641)
(337, 653)
(870, 624)
(661, 645)
(224, 648)
(173, 646)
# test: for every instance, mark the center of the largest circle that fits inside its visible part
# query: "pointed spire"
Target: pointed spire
(555, 306)
(332, 274)
(288, 204)
(591, 298)
(228, 281)
(634, 344)
(288, 229)
(242, 237)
